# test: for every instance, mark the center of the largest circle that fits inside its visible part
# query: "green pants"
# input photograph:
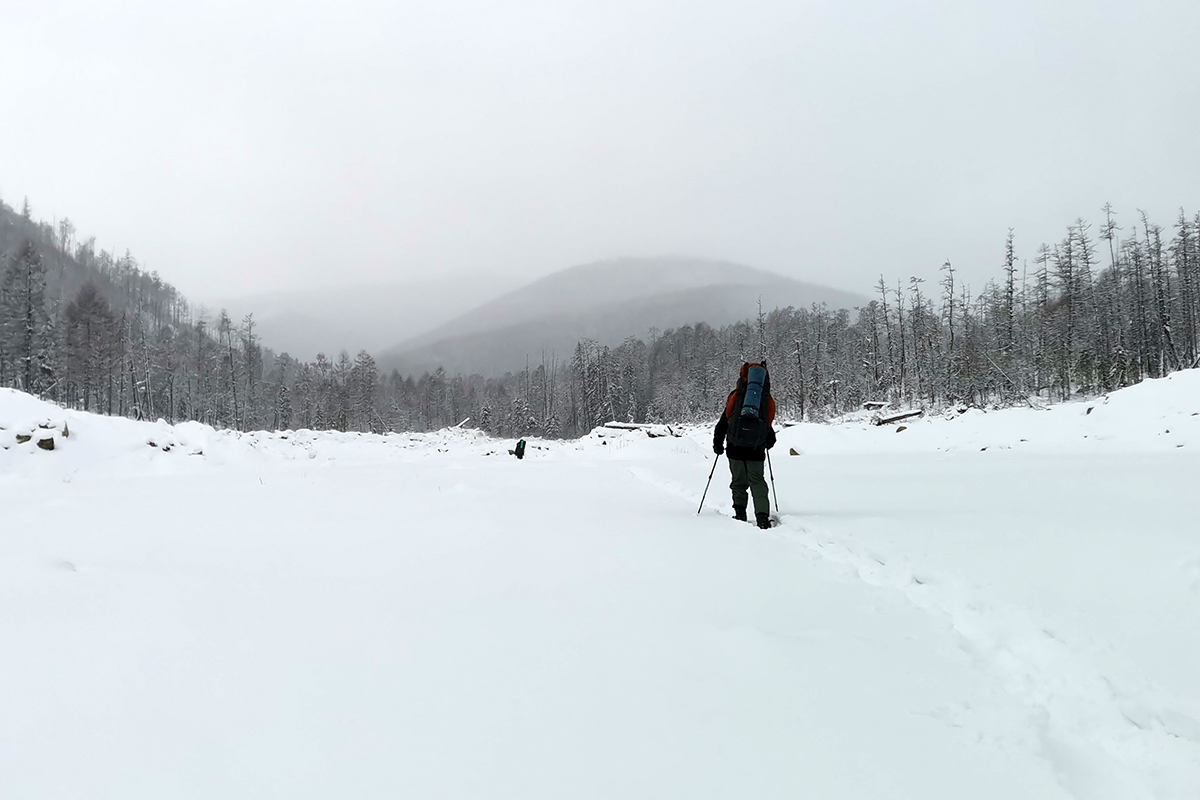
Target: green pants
(748, 475)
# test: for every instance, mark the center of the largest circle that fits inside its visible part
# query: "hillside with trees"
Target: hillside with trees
(93, 330)
(1099, 309)
(605, 301)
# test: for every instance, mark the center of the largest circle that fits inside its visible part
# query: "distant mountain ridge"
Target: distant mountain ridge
(303, 323)
(606, 301)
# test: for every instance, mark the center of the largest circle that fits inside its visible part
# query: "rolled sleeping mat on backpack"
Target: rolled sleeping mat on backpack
(752, 401)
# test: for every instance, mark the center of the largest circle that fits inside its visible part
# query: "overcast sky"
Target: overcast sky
(241, 147)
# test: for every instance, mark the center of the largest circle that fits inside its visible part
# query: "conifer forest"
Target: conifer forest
(1106, 306)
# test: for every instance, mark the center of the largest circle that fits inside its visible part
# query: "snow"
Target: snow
(1153, 416)
(995, 604)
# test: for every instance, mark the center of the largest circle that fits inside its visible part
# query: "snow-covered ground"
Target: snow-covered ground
(995, 605)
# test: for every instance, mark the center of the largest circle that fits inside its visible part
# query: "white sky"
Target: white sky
(241, 147)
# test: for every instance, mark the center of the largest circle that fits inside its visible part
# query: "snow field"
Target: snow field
(343, 615)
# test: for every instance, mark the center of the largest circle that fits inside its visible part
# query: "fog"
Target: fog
(250, 147)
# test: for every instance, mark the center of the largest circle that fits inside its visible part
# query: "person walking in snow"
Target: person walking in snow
(744, 434)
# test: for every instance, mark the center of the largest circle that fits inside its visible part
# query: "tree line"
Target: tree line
(1098, 310)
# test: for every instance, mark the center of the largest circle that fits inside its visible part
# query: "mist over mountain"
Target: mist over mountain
(70, 264)
(606, 301)
(373, 318)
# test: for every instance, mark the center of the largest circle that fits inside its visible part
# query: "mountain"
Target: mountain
(304, 323)
(606, 301)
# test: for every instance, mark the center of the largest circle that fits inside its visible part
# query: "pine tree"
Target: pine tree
(948, 302)
(364, 387)
(251, 370)
(25, 335)
(90, 345)
(1008, 343)
(229, 378)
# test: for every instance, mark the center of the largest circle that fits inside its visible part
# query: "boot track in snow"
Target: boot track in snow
(1102, 740)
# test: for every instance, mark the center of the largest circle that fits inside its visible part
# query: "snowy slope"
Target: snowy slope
(319, 614)
(1156, 415)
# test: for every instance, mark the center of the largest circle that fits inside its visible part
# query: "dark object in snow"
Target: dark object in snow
(520, 451)
(22, 438)
(875, 405)
(739, 513)
(792, 451)
(898, 417)
(763, 521)
(901, 428)
(47, 443)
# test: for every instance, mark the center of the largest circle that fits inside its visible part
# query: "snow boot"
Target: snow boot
(739, 513)
(763, 519)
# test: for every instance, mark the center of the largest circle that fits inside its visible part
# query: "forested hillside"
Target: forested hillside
(605, 301)
(93, 330)
(1098, 310)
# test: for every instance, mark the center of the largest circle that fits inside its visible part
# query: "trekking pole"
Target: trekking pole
(772, 474)
(710, 474)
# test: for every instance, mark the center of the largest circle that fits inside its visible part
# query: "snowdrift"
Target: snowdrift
(91, 441)
(1153, 416)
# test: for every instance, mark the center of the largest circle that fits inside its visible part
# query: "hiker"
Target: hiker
(520, 451)
(744, 434)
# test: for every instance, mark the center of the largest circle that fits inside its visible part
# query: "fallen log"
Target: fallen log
(651, 429)
(898, 417)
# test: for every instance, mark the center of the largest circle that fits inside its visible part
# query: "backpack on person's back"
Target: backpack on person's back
(750, 409)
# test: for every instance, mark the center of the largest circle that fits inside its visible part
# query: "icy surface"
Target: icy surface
(990, 605)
